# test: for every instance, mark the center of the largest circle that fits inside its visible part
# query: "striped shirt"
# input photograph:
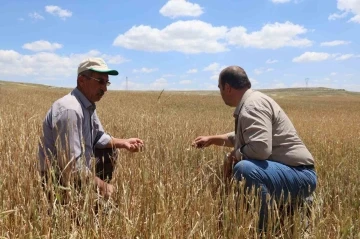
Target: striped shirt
(70, 129)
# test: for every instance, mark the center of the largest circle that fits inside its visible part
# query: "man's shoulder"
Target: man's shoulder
(67, 102)
(260, 97)
(260, 101)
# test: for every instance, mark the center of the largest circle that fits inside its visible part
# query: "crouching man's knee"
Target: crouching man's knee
(243, 170)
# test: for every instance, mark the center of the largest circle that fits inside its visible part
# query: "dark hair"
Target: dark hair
(236, 77)
(86, 73)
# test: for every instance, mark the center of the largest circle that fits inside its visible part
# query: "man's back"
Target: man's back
(263, 120)
(55, 117)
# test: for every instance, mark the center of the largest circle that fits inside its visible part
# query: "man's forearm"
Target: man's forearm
(221, 140)
(115, 143)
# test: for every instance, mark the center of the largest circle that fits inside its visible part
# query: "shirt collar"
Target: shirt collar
(242, 101)
(83, 100)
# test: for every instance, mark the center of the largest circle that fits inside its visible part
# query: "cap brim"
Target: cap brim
(108, 71)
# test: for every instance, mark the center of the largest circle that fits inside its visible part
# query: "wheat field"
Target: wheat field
(171, 190)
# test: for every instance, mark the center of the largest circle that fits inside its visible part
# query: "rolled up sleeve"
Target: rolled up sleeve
(231, 137)
(102, 139)
(257, 133)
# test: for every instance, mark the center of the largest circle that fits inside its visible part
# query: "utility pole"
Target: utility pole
(307, 82)
(126, 83)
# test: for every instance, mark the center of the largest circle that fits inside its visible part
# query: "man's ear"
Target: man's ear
(80, 80)
(227, 87)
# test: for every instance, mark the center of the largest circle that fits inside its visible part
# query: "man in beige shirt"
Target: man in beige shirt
(268, 152)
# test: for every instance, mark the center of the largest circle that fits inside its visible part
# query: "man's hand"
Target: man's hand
(202, 142)
(229, 163)
(106, 189)
(133, 144)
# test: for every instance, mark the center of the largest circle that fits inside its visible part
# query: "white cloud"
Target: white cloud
(335, 43)
(159, 84)
(185, 82)
(145, 70)
(42, 45)
(312, 56)
(280, 1)
(347, 6)
(333, 73)
(259, 71)
(270, 61)
(346, 57)
(168, 75)
(335, 16)
(253, 82)
(179, 8)
(271, 36)
(200, 37)
(322, 56)
(114, 59)
(183, 36)
(212, 67)
(36, 16)
(47, 64)
(215, 70)
(58, 11)
(191, 71)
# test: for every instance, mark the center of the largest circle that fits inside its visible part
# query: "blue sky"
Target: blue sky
(183, 45)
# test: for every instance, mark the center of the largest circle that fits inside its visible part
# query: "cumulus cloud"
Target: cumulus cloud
(215, 69)
(271, 36)
(181, 8)
(312, 56)
(159, 84)
(334, 43)
(145, 70)
(192, 71)
(58, 11)
(322, 56)
(346, 57)
(262, 70)
(48, 64)
(42, 45)
(36, 16)
(336, 16)
(212, 67)
(183, 36)
(280, 1)
(253, 81)
(346, 7)
(185, 82)
(270, 61)
(195, 36)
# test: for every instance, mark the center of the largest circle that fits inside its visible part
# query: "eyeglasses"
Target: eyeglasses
(101, 81)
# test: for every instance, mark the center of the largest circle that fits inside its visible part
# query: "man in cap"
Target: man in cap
(73, 134)
(268, 153)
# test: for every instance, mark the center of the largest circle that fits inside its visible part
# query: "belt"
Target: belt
(306, 166)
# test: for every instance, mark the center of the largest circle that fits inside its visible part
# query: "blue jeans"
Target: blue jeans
(276, 179)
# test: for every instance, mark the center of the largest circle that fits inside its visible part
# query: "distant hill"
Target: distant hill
(272, 92)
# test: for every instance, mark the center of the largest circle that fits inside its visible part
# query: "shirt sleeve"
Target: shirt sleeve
(68, 134)
(101, 139)
(231, 137)
(256, 128)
